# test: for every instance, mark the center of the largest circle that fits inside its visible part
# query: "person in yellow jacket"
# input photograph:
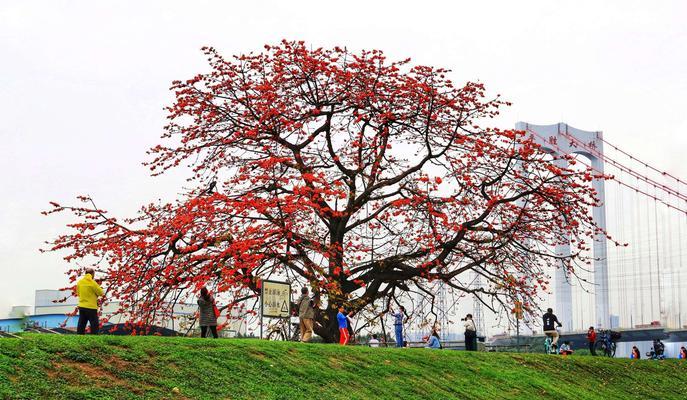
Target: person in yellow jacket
(88, 291)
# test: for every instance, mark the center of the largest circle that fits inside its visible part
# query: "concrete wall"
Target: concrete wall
(623, 350)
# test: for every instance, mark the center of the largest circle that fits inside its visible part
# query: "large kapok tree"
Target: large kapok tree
(360, 177)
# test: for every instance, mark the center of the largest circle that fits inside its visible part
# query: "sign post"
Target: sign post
(275, 301)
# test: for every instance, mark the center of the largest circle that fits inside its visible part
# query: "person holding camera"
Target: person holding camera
(88, 290)
(591, 339)
(470, 333)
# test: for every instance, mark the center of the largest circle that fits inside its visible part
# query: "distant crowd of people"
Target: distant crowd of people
(88, 290)
(432, 341)
(306, 311)
(549, 320)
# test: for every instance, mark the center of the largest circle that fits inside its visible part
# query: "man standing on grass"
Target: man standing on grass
(306, 315)
(398, 325)
(591, 339)
(88, 291)
(470, 333)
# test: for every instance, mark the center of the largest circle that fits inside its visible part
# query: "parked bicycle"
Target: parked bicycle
(606, 344)
(280, 330)
(548, 345)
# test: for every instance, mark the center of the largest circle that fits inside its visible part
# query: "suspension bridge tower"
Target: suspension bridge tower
(478, 307)
(563, 139)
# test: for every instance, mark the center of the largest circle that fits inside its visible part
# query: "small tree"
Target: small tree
(362, 178)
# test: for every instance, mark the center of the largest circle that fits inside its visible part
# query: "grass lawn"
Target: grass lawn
(118, 367)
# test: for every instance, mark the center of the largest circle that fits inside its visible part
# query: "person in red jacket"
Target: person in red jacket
(591, 338)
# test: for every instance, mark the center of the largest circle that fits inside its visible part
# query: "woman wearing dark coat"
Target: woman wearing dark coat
(206, 311)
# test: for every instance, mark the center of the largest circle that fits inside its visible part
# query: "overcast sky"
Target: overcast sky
(82, 86)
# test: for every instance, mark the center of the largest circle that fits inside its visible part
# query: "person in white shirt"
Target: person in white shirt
(374, 342)
(566, 349)
(351, 331)
(470, 333)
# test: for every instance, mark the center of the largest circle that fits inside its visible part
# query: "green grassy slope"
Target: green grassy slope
(103, 367)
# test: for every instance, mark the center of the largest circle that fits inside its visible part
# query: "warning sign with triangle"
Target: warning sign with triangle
(276, 301)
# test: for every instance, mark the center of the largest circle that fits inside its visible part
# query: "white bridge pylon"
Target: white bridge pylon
(556, 139)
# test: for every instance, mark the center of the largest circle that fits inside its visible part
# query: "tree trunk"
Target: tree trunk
(326, 325)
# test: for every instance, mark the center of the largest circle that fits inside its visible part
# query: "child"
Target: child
(343, 326)
(565, 349)
(683, 353)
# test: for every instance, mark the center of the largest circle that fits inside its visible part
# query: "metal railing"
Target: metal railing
(512, 348)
